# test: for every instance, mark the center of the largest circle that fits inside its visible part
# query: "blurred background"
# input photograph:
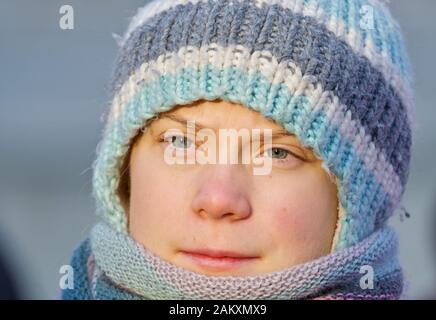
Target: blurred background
(53, 92)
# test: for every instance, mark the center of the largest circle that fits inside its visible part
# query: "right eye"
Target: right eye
(179, 141)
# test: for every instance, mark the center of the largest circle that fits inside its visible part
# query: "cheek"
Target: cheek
(156, 200)
(302, 211)
(291, 218)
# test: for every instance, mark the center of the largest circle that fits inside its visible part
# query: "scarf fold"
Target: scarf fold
(117, 267)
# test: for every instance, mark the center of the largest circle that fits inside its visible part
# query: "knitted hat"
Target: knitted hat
(333, 72)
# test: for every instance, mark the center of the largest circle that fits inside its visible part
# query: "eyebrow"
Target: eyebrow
(276, 133)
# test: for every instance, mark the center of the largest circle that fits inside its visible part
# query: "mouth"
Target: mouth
(218, 260)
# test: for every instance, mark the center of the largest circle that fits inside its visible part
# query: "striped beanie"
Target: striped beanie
(333, 72)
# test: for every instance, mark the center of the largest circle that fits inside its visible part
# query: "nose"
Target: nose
(221, 195)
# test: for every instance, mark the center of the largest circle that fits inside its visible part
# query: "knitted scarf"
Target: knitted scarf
(112, 265)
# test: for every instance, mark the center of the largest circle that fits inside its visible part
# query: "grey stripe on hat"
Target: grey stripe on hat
(289, 37)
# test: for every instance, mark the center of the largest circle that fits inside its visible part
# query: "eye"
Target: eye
(179, 141)
(278, 153)
(283, 156)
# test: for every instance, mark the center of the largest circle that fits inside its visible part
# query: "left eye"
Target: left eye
(278, 153)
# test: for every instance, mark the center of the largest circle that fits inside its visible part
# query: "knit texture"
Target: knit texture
(124, 269)
(318, 68)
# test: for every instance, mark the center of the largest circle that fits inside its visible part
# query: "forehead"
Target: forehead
(219, 114)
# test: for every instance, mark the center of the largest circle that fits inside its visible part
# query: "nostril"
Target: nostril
(220, 205)
(227, 214)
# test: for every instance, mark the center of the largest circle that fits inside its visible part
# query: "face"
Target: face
(221, 219)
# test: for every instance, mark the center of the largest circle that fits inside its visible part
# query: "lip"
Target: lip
(218, 260)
